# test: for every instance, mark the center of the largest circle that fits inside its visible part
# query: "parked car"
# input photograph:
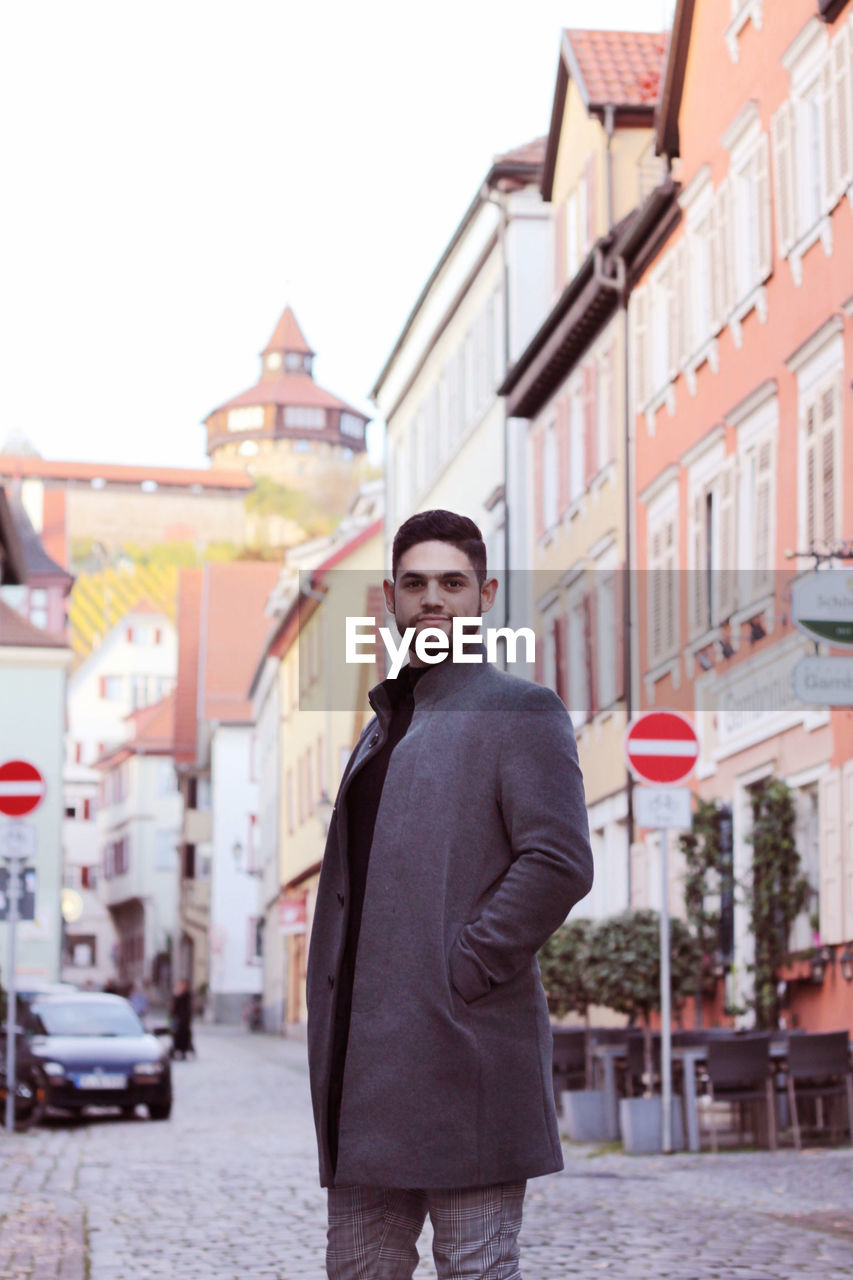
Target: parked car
(93, 1051)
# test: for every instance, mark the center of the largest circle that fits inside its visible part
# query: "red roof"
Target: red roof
(619, 67)
(186, 689)
(18, 632)
(287, 336)
(234, 628)
(117, 473)
(289, 389)
(529, 153)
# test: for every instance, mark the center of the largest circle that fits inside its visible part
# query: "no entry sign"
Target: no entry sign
(661, 747)
(22, 788)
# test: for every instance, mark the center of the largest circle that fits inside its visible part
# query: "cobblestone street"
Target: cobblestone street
(228, 1188)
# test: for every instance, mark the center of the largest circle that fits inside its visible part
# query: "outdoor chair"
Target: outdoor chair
(569, 1061)
(740, 1073)
(819, 1069)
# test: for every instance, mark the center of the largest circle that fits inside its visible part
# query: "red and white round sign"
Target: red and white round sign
(22, 788)
(661, 747)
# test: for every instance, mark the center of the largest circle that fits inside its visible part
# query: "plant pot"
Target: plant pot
(641, 1122)
(585, 1116)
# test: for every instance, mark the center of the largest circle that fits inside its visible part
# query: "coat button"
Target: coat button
(331, 981)
(340, 899)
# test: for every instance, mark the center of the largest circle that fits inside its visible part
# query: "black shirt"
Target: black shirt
(363, 797)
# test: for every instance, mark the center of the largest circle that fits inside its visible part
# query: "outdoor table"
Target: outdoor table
(688, 1055)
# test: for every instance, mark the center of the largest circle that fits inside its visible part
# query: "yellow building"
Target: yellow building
(310, 706)
(570, 385)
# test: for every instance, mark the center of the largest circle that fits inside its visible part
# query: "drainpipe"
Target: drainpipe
(503, 219)
(609, 125)
(618, 283)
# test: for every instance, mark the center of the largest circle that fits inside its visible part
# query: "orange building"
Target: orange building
(742, 357)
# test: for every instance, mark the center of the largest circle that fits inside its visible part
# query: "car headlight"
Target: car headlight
(149, 1068)
(53, 1069)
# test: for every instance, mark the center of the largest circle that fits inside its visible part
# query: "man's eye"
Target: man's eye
(455, 582)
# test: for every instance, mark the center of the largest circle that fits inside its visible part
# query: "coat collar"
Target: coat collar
(444, 680)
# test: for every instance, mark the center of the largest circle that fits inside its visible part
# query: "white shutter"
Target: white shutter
(681, 309)
(763, 499)
(847, 846)
(842, 66)
(670, 287)
(782, 132)
(725, 585)
(810, 460)
(829, 191)
(698, 601)
(655, 595)
(831, 918)
(640, 328)
(828, 463)
(722, 275)
(764, 213)
(670, 598)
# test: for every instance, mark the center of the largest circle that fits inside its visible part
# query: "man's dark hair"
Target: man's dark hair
(441, 526)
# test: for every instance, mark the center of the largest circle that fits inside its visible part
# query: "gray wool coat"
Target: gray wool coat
(481, 849)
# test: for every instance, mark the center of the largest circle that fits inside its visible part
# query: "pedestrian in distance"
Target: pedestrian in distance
(181, 1014)
(458, 844)
(138, 1000)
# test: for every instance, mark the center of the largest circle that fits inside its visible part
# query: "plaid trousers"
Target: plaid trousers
(373, 1232)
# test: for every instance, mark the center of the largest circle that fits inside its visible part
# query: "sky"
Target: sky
(176, 172)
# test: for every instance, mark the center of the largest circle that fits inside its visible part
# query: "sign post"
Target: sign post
(22, 789)
(661, 749)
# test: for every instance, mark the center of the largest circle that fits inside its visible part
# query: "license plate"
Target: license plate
(101, 1080)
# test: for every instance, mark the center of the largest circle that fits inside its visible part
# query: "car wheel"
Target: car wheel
(159, 1110)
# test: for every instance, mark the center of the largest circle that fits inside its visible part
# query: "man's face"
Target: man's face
(436, 583)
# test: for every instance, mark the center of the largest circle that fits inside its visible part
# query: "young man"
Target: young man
(458, 844)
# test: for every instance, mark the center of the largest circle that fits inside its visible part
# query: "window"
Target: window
(352, 426)
(662, 597)
(577, 432)
(88, 877)
(605, 426)
(38, 607)
(606, 647)
(81, 950)
(713, 549)
(550, 476)
(255, 948)
(820, 431)
(188, 862)
(302, 417)
(751, 215)
(572, 235)
(579, 667)
(250, 418)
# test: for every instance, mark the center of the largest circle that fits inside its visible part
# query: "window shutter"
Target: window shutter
(655, 594)
(590, 449)
(560, 246)
(560, 658)
(765, 487)
(639, 344)
(670, 619)
(723, 285)
(538, 495)
(590, 605)
(811, 434)
(763, 207)
(782, 132)
(669, 282)
(831, 922)
(620, 621)
(726, 577)
(590, 199)
(828, 461)
(829, 135)
(847, 844)
(563, 456)
(613, 403)
(698, 600)
(679, 308)
(841, 55)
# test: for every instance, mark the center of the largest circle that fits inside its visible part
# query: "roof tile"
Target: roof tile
(619, 67)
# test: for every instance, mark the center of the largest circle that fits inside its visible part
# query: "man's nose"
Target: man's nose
(432, 592)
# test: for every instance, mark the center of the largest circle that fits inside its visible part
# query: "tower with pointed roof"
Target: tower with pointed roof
(289, 428)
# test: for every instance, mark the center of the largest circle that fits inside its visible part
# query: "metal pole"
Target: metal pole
(665, 1001)
(13, 863)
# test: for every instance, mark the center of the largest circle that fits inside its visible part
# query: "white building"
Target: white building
(134, 667)
(138, 830)
(448, 441)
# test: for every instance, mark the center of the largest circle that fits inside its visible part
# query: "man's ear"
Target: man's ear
(488, 591)
(388, 588)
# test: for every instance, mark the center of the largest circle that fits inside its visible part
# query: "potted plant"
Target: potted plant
(564, 962)
(625, 973)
